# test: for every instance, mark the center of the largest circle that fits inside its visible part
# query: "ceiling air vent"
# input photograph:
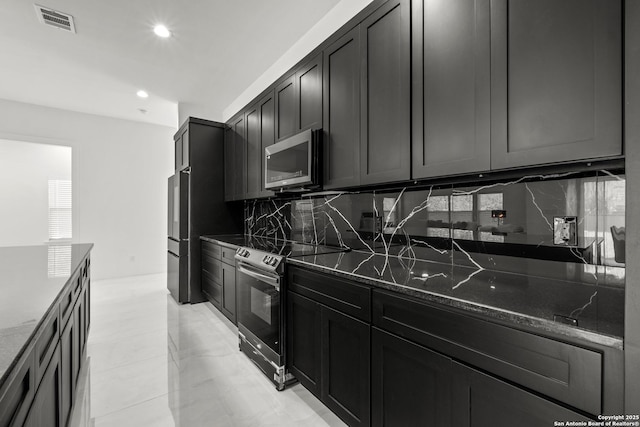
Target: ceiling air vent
(55, 18)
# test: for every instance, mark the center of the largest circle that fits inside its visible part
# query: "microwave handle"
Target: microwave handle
(270, 280)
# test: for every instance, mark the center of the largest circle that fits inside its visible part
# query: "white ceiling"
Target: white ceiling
(217, 50)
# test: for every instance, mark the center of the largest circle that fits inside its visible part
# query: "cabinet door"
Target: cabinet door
(481, 400)
(341, 116)
(303, 341)
(16, 394)
(228, 306)
(229, 155)
(346, 366)
(78, 319)
(238, 163)
(182, 150)
(254, 157)
(185, 149)
(68, 369)
(178, 154)
(410, 384)
(285, 93)
(267, 116)
(309, 93)
(451, 87)
(555, 81)
(45, 409)
(385, 94)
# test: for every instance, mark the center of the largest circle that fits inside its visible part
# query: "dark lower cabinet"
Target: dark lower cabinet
(303, 341)
(46, 407)
(69, 364)
(17, 393)
(345, 366)
(219, 278)
(410, 384)
(228, 301)
(328, 352)
(40, 389)
(482, 400)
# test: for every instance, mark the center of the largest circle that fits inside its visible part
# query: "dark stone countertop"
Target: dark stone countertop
(534, 294)
(32, 278)
(227, 239)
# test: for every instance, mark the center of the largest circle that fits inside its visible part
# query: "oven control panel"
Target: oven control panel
(242, 252)
(259, 259)
(271, 260)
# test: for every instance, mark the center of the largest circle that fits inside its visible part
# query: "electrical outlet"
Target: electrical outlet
(565, 230)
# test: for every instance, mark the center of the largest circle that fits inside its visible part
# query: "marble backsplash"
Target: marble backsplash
(573, 218)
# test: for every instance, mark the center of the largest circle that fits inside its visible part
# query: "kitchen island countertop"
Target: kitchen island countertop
(32, 279)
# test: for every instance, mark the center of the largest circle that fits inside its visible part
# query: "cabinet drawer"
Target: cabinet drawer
(345, 296)
(565, 372)
(211, 288)
(211, 250)
(17, 392)
(214, 269)
(228, 255)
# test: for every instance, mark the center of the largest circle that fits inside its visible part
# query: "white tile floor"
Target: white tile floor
(152, 362)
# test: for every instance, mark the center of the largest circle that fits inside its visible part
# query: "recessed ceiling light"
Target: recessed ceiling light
(142, 94)
(161, 31)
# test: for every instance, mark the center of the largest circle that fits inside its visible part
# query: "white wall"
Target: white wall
(120, 171)
(25, 170)
(330, 23)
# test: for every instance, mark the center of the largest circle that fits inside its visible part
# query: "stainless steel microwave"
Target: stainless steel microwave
(294, 162)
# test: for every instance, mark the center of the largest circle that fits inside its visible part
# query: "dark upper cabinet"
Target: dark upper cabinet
(266, 119)
(229, 172)
(555, 81)
(253, 158)
(410, 384)
(341, 116)
(298, 99)
(285, 94)
(181, 150)
(235, 159)
(451, 87)
(259, 120)
(309, 94)
(385, 94)
(490, 401)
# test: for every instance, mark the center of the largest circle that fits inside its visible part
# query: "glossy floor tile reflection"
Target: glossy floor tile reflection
(152, 362)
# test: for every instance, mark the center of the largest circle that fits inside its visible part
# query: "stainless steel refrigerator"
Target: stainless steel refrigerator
(196, 205)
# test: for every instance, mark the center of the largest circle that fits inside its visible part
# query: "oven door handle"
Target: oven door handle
(270, 280)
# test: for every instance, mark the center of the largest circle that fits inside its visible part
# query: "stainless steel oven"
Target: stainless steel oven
(260, 308)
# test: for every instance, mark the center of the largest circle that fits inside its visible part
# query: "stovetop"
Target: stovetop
(269, 253)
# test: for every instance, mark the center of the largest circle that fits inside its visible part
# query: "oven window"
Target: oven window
(261, 305)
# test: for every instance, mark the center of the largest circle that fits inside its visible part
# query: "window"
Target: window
(59, 209)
